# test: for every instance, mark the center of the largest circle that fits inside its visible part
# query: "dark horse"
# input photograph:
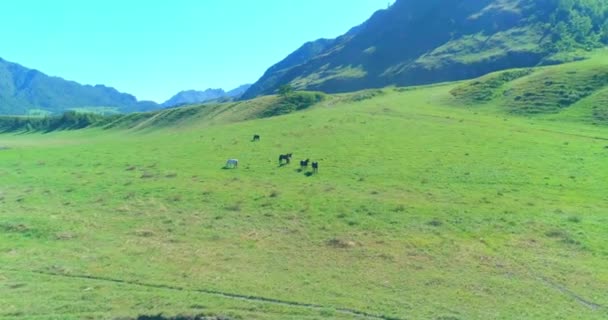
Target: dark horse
(286, 157)
(315, 167)
(304, 164)
(256, 137)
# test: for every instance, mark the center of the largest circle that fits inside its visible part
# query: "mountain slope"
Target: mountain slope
(194, 96)
(23, 90)
(426, 41)
(273, 77)
(239, 91)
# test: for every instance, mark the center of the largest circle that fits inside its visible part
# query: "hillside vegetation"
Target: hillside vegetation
(427, 41)
(213, 113)
(453, 201)
(572, 91)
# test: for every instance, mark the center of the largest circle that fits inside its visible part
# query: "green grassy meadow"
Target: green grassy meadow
(427, 206)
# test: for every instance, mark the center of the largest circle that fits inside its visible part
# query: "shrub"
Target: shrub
(292, 102)
(70, 120)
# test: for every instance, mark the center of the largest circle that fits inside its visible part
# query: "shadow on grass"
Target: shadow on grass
(196, 317)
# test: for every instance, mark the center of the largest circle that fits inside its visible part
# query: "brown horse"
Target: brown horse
(286, 157)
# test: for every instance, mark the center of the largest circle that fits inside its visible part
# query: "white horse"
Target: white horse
(232, 163)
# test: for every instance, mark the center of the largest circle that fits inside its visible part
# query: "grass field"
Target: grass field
(425, 207)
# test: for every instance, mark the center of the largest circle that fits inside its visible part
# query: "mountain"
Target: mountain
(239, 91)
(194, 96)
(23, 90)
(426, 41)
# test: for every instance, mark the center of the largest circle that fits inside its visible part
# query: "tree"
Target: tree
(604, 38)
(285, 90)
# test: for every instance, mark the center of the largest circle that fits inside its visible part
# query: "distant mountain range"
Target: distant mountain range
(426, 41)
(194, 96)
(24, 90)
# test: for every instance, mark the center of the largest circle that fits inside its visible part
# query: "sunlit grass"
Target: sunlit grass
(421, 209)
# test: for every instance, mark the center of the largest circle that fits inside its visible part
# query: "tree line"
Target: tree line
(69, 120)
(575, 24)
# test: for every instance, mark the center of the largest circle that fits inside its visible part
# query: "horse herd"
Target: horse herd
(284, 159)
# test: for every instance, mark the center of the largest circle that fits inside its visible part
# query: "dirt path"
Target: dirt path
(234, 296)
(571, 294)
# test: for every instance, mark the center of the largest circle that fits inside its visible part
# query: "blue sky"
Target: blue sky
(153, 49)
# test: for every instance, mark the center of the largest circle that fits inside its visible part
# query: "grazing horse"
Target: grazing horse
(256, 138)
(286, 157)
(315, 167)
(304, 164)
(232, 163)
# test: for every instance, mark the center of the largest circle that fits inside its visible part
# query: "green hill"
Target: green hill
(566, 92)
(452, 201)
(24, 91)
(427, 41)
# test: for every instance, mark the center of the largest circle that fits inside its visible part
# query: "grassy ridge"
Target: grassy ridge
(566, 92)
(423, 209)
(172, 117)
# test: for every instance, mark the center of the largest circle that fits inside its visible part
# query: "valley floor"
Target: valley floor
(422, 209)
